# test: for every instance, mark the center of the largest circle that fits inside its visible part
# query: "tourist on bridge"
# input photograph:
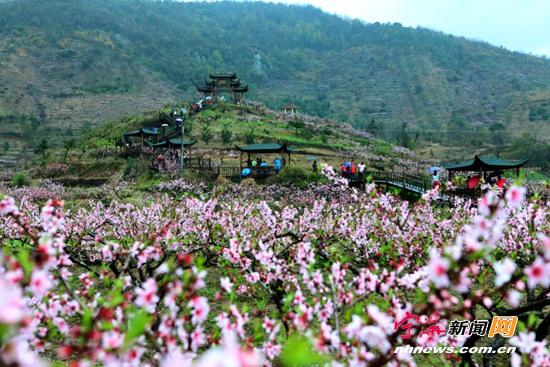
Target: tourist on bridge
(264, 167)
(435, 180)
(361, 170)
(352, 170)
(343, 170)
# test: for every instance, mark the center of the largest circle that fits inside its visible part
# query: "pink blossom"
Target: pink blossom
(7, 206)
(437, 269)
(112, 340)
(199, 309)
(375, 338)
(226, 284)
(504, 270)
(12, 304)
(515, 195)
(40, 282)
(197, 338)
(525, 341)
(146, 296)
(538, 273)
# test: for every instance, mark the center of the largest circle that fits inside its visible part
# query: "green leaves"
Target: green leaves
(138, 325)
(298, 352)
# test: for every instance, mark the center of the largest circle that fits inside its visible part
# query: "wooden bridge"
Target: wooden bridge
(406, 182)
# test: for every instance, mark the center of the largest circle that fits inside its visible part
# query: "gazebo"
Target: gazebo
(265, 149)
(142, 133)
(484, 165)
(290, 108)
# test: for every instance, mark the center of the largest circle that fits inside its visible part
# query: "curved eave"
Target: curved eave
(205, 89)
(241, 89)
(487, 164)
(222, 76)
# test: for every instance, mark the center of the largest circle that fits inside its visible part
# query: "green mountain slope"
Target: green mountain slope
(74, 62)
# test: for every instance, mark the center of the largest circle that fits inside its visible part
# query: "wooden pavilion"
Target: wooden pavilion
(224, 83)
(265, 149)
(484, 165)
(290, 108)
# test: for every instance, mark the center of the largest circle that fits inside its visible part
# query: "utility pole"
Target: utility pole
(182, 135)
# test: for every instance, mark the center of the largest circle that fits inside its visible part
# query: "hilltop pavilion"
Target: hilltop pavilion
(290, 108)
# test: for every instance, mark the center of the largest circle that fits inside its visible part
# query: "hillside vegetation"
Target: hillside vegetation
(75, 63)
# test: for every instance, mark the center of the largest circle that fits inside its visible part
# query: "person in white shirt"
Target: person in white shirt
(361, 170)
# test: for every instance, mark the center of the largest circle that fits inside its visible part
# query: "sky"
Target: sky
(518, 25)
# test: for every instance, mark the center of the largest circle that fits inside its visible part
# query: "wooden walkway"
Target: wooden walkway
(406, 182)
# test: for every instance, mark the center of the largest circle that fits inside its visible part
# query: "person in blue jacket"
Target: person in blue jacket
(264, 165)
(277, 163)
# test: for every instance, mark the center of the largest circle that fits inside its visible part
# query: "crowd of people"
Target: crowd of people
(262, 166)
(258, 162)
(180, 114)
(350, 171)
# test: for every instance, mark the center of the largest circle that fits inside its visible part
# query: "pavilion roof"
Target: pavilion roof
(223, 76)
(172, 142)
(485, 164)
(290, 106)
(265, 148)
(139, 132)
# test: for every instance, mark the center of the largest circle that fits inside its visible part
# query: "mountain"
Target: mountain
(75, 63)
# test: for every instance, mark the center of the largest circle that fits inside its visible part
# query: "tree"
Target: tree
(226, 135)
(249, 138)
(28, 126)
(298, 124)
(6, 146)
(42, 148)
(372, 128)
(403, 139)
(68, 145)
(207, 136)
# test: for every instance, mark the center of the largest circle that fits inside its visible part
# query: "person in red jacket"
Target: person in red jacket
(353, 169)
(343, 170)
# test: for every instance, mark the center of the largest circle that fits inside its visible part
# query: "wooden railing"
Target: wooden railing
(408, 182)
(256, 172)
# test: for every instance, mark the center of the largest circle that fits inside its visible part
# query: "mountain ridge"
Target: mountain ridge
(78, 62)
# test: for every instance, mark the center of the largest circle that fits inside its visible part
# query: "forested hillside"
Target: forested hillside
(78, 62)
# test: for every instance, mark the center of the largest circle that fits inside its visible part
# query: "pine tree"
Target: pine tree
(42, 148)
(372, 128)
(404, 139)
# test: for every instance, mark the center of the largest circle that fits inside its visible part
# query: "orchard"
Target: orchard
(324, 275)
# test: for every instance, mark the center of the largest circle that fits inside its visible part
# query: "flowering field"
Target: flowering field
(184, 278)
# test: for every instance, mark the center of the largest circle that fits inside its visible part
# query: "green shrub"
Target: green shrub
(20, 179)
(313, 177)
(290, 174)
(132, 169)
